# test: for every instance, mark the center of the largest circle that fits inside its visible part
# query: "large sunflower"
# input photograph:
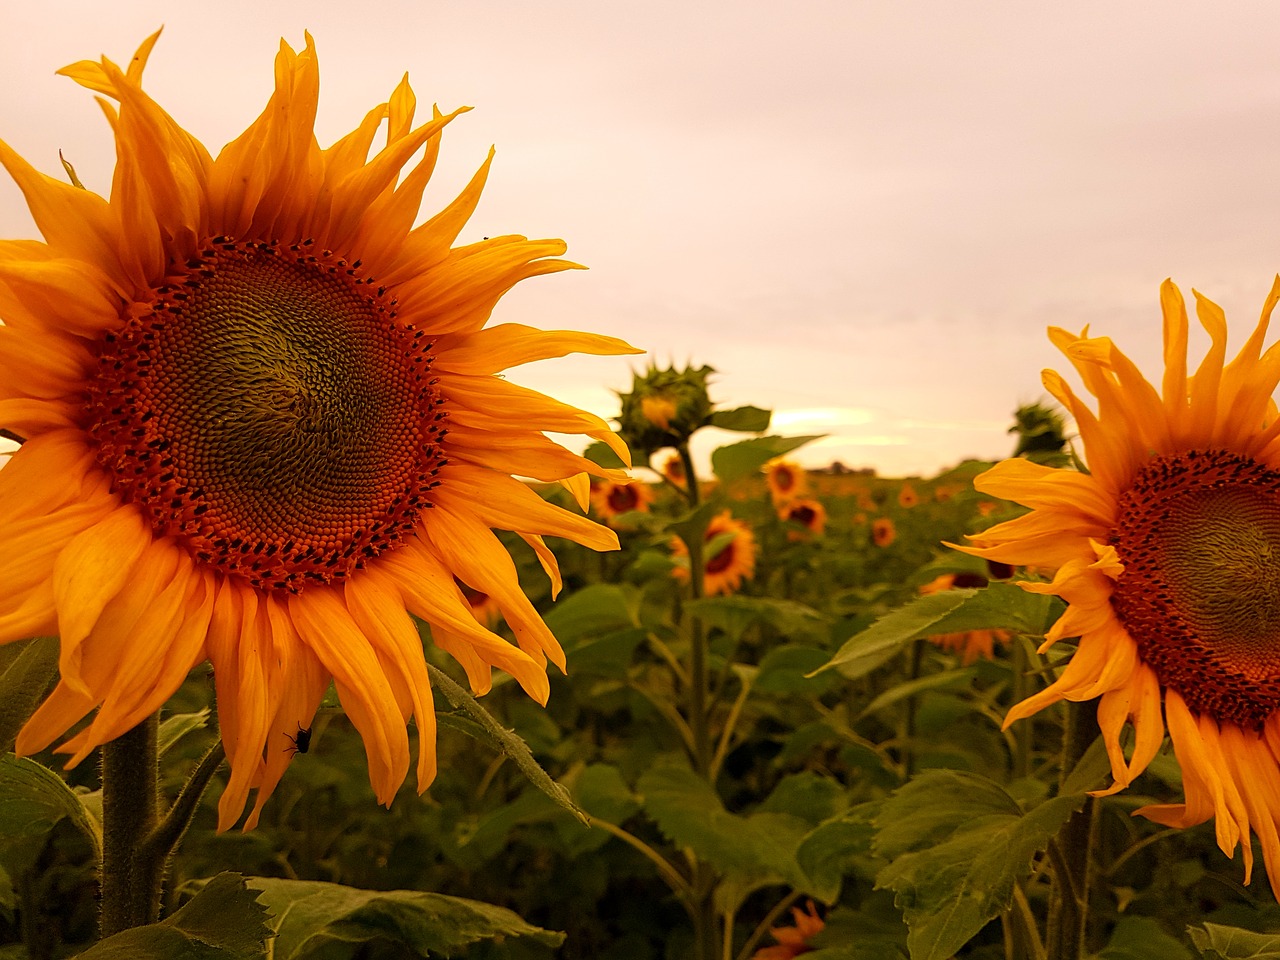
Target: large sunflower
(261, 420)
(1166, 553)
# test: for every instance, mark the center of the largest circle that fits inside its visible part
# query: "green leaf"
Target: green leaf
(33, 799)
(602, 792)
(334, 922)
(953, 611)
(24, 682)
(174, 728)
(1217, 942)
(223, 921)
(789, 669)
(508, 741)
(806, 795)
(934, 681)
(745, 458)
(591, 612)
(831, 849)
(1143, 938)
(743, 419)
(734, 614)
(602, 455)
(958, 843)
(751, 851)
(692, 527)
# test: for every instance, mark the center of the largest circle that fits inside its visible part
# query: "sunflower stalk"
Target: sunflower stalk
(1071, 850)
(131, 875)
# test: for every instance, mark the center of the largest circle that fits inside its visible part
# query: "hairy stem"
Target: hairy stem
(130, 797)
(1071, 849)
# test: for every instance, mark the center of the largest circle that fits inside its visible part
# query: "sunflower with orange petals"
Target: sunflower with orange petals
(611, 500)
(793, 941)
(786, 480)
(262, 422)
(809, 515)
(1165, 553)
(883, 531)
(673, 471)
(907, 496)
(733, 562)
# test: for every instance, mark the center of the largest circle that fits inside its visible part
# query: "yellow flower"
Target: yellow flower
(883, 532)
(809, 514)
(786, 479)
(262, 418)
(970, 644)
(907, 496)
(793, 941)
(673, 470)
(611, 499)
(1166, 555)
(736, 561)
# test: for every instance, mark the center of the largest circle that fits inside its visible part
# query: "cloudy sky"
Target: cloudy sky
(863, 215)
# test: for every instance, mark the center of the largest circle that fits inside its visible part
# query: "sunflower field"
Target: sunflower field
(274, 515)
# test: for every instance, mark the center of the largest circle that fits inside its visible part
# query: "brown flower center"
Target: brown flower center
(266, 408)
(622, 498)
(1199, 536)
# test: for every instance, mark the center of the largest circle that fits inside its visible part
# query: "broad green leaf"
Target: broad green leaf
(25, 680)
(591, 612)
(223, 921)
(828, 854)
(508, 741)
(174, 728)
(807, 795)
(334, 922)
(996, 605)
(745, 458)
(789, 668)
(947, 680)
(601, 791)
(601, 454)
(734, 614)
(33, 799)
(743, 419)
(957, 843)
(1216, 942)
(1143, 938)
(752, 851)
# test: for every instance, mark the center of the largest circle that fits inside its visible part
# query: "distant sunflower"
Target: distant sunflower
(907, 496)
(673, 470)
(969, 644)
(786, 479)
(614, 499)
(725, 570)
(883, 532)
(1165, 553)
(262, 418)
(793, 941)
(806, 513)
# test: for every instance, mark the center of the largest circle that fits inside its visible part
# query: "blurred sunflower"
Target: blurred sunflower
(673, 470)
(969, 644)
(907, 496)
(261, 419)
(1165, 553)
(732, 559)
(793, 941)
(611, 499)
(809, 514)
(786, 479)
(883, 532)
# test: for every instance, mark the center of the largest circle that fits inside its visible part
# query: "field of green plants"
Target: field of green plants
(780, 733)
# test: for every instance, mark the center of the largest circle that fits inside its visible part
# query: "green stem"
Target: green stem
(1071, 849)
(130, 796)
(1023, 731)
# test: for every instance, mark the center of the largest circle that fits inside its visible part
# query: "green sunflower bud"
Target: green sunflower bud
(664, 408)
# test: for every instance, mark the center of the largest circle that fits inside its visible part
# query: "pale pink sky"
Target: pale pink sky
(862, 214)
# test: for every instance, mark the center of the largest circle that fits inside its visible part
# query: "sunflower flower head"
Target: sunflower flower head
(786, 480)
(883, 531)
(1165, 554)
(729, 558)
(971, 645)
(664, 408)
(807, 518)
(263, 423)
(793, 941)
(611, 500)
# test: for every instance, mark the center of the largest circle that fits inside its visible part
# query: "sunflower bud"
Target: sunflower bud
(664, 408)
